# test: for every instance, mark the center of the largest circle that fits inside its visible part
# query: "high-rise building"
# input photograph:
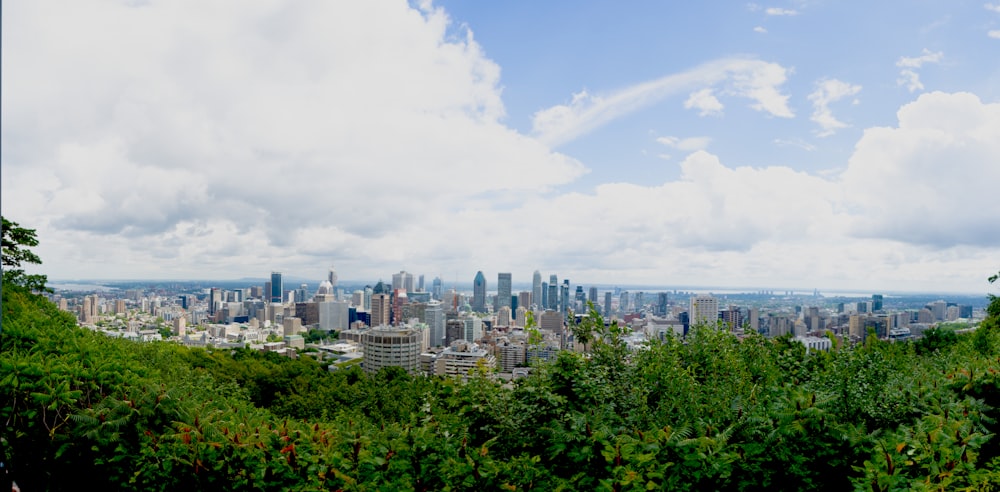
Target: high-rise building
(876, 302)
(503, 290)
(607, 303)
(180, 326)
(420, 283)
(399, 299)
(381, 309)
(504, 316)
(402, 281)
(733, 318)
(551, 321)
(623, 303)
(436, 288)
(939, 308)
(704, 310)
(435, 319)
(333, 315)
(564, 305)
(536, 289)
(276, 288)
(473, 328)
(543, 302)
(215, 300)
(661, 304)
(479, 293)
(524, 300)
(592, 296)
(553, 293)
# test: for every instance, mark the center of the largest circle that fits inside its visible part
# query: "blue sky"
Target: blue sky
(837, 145)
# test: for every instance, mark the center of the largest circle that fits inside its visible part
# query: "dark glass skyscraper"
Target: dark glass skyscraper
(277, 288)
(503, 290)
(479, 293)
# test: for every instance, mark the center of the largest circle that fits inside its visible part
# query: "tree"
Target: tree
(16, 241)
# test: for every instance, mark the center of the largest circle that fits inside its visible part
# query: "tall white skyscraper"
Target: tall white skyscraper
(704, 310)
(435, 319)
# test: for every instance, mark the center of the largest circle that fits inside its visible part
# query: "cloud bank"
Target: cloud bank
(370, 135)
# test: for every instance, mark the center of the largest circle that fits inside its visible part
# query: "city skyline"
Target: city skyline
(791, 144)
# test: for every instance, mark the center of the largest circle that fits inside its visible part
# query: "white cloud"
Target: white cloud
(919, 61)
(263, 128)
(753, 79)
(827, 92)
(994, 34)
(760, 29)
(689, 144)
(775, 11)
(705, 102)
(992, 7)
(908, 75)
(265, 137)
(932, 178)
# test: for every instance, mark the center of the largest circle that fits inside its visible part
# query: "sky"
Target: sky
(787, 144)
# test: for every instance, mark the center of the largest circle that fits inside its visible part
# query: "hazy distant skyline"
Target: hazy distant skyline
(836, 145)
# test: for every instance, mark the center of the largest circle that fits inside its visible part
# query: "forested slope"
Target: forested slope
(709, 413)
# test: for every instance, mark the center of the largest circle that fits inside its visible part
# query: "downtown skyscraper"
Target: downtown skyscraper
(553, 293)
(503, 290)
(479, 293)
(536, 289)
(277, 288)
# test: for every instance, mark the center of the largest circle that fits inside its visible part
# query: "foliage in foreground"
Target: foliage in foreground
(708, 413)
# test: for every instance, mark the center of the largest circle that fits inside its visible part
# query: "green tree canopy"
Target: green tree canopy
(16, 241)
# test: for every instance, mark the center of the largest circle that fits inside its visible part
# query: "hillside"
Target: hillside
(711, 412)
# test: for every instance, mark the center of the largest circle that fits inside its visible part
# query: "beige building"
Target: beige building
(704, 310)
(463, 358)
(381, 310)
(386, 346)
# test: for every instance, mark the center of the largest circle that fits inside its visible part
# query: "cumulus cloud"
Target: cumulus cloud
(288, 136)
(892, 213)
(829, 91)
(760, 29)
(776, 11)
(931, 179)
(705, 102)
(994, 34)
(993, 7)
(753, 79)
(908, 75)
(256, 121)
